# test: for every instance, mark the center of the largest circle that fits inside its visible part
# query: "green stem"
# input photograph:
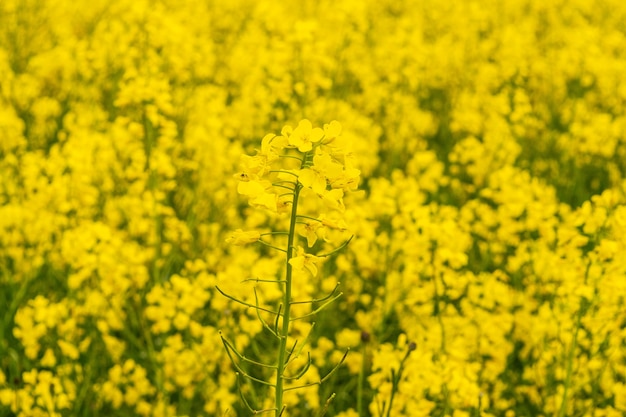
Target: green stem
(150, 136)
(570, 365)
(361, 383)
(395, 381)
(302, 216)
(150, 348)
(282, 350)
(570, 360)
(437, 299)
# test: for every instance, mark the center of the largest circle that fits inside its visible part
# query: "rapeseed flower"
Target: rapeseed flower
(304, 136)
(305, 261)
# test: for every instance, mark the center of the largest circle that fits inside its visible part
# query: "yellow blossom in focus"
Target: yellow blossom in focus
(333, 199)
(304, 136)
(304, 261)
(309, 230)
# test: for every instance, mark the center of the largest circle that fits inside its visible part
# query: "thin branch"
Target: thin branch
(230, 297)
(328, 401)
(280, 307)
(284, 186)
(271, 246)
(301, 373)
(291, 351)
(232, 348)
(290, 156)
(285, 182)
(258, 314)
(328, 375)
(282, 171)
(336, 250)
(320, 308)
(316, 300)
(239, 369)
(308, 217)
(306, 339)
(243, 398)
(263, 280)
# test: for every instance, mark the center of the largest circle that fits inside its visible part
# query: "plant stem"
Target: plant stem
(282, 350)
(570, 363)
(570, 359)
(361, 381)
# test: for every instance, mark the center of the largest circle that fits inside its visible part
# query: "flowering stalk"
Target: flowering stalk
(282, 350)
(396, 377)
(324, 172)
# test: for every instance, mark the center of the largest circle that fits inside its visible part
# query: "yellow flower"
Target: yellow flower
(305, 261)
(271, 145)
(304, 136)
(241, 238)
(347, 180)
(333, 199)
(337, 224)
(326, 171)
(309, 230)
(323, 171)
(313, 179)
(257, 193)
(331, 131)
(253, 167)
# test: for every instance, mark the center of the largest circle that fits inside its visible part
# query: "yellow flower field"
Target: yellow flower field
(345, 208)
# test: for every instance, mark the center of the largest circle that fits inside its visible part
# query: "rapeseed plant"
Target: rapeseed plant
(303, 163)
